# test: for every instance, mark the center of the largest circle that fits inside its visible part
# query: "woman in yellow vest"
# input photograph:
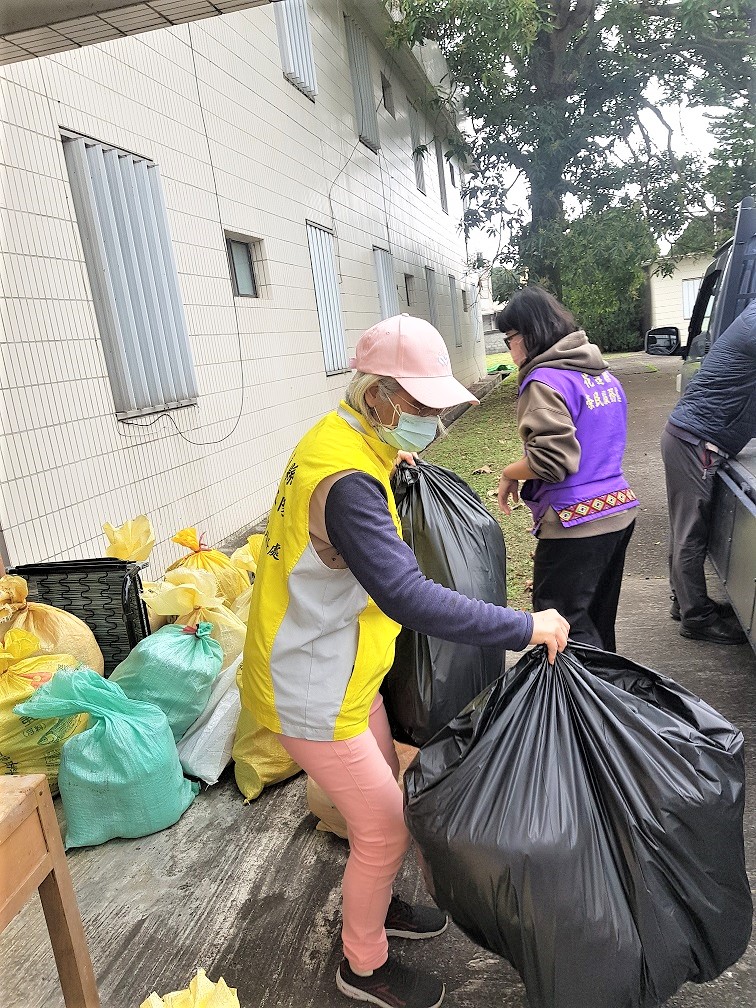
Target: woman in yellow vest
(333, 585)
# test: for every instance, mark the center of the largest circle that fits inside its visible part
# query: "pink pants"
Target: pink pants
(359, 775)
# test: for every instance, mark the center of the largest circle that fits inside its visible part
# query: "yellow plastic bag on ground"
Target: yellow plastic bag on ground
(29, 745)
(57, 631)
(202, 993)
(231, 581)
(131, 541)
(259, 758)
(246, 558)
(191, 597)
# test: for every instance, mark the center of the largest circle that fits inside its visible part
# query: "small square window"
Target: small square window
(409, 288)
(241, 258)
(388, 96)
(465, 300)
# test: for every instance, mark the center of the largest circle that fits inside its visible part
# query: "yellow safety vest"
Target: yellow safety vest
(317, 646)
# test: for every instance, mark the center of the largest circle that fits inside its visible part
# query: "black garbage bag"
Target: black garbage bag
(585, 821)
(459, 545)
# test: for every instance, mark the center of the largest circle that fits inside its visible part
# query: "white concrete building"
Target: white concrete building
(197, 223)
(672, 297)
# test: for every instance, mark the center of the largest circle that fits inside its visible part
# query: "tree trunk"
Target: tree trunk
(542, 243)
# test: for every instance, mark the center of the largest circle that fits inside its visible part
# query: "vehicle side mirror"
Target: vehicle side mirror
(663, 342)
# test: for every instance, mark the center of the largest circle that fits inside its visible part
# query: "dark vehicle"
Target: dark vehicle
(727, 288)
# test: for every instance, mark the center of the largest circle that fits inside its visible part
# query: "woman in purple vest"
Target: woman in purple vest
(572, 418)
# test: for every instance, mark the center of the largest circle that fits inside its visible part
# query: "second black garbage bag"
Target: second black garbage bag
(585, 821)
(460, 545)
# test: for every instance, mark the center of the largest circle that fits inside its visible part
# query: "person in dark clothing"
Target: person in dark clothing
(714, 420)
(572, 418)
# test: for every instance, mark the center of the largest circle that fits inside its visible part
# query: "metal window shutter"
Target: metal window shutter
(455, 311)
(132, 272)
(430, 282)
(295, 43)
(387, 294)
(327, 298)
(415, 141)
(362, 84)
(441, 175)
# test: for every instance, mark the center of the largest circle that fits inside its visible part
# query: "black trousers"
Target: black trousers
(581, 578)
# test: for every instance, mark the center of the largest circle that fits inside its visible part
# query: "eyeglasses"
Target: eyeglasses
(511, 335)
(419, 410)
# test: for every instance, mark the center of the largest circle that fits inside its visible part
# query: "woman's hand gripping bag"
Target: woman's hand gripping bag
(585, 821)
(58, 632)
(26, 745)
(191, 597)
(121, 777)
(175, 669)
(458, 544)
(231, 581)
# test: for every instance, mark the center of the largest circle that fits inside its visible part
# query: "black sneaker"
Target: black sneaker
(391, 986)
(405, 921)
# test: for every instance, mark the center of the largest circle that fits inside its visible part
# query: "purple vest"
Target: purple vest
(598, 409)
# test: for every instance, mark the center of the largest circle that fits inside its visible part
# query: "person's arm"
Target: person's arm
(548, 434)
(360, 527)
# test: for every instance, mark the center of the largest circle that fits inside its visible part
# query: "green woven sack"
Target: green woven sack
(175, 669)
(121, 777)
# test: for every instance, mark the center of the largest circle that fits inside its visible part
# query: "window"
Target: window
(473, 307)
(387, 292)
(465, 297)
(430, 283)
(120, 211)
(417, 147)
(452, 175)
(388, 96)
(295, 43)
(362, 86)
(409, 289)
(244, 259)
(441, 175)
(689, 292)
(327, 298)
(455, 311)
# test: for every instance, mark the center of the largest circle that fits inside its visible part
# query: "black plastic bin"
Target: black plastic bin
(103, 592)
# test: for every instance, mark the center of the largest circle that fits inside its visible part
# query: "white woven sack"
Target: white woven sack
(205, 749)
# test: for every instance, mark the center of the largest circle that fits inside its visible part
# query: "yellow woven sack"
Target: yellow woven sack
(131, 541)
(57, 631)
(191, 597)
(31, 745)
(259, 758)
(231, 581)
(202, 993)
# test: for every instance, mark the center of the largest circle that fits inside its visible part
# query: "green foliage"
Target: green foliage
(699, 237)
(504, 282)
(558, 89)
(603, 279)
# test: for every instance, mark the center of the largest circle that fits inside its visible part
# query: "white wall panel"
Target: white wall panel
(238, 148)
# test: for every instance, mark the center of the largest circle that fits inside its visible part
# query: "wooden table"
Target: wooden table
(32, 858)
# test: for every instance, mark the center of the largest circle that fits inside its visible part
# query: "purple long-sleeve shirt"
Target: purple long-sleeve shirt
(360, 527)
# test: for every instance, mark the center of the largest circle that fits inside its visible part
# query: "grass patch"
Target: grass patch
(494, 359)
(486, 435)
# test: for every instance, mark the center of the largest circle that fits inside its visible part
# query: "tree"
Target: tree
(560, 90)
(603, 275)
(504, 282)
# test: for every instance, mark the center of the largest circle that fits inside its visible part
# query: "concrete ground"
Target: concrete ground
(251, 892)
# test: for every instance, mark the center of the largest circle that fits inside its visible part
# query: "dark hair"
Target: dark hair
(540, 319)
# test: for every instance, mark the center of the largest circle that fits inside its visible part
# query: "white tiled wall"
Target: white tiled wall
(667, 297)
(236, 143)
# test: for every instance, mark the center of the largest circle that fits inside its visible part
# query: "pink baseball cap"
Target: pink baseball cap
(413, 352)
